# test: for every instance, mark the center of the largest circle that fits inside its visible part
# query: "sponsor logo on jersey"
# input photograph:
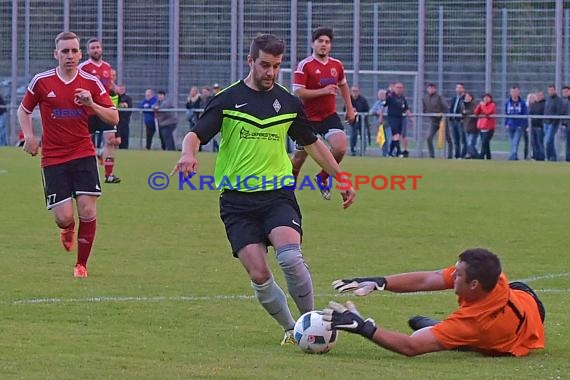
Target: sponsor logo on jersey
(249, 135)
(67, 113)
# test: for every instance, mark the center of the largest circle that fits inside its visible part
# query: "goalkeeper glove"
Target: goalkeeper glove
(362, 286)
(347, 318)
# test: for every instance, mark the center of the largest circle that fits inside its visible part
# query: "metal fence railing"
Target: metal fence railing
(172, 45)
(366, 133)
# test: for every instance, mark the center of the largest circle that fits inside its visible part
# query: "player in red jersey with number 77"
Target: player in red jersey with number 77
(67, 96)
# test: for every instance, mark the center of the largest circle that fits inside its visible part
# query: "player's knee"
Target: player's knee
(339, 150)
(86, 211)
(289, 257)
(63, 221)
(260, 276)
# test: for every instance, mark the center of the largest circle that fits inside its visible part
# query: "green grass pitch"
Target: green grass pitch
(166, 300)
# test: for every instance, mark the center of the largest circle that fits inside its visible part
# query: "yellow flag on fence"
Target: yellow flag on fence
(441, 135)
(381, 137)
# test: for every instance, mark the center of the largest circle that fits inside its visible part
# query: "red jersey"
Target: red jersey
(101, 70)
(312, 75)
(506, 321)
(65, 134)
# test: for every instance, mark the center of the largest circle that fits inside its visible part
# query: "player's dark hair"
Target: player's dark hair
(161, 92)
(481, 265)
(323, 31)
(91, 40)
(63, 36)
(268, 43)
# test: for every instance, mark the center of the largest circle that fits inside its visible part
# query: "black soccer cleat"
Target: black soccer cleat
(112, 179)
(419, 322)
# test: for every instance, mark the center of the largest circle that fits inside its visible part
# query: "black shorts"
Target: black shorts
(396, 124)
(517, 285)
(97, 125)
(70, 179)
(249, 217)
(326, 127)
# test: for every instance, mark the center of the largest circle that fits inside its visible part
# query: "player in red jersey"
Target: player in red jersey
(67, 96)
(96, 66)
(316, 81)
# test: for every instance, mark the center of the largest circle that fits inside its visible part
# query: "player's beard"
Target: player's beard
(263, 83)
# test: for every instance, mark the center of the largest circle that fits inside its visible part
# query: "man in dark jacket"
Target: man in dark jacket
(553, 107)
(537, 130)
(360, 104)
(435, 103)
(456, 123)
(167, 121)
(566, 123)
(125, 101)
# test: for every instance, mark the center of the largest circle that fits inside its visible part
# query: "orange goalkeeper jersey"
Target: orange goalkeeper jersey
(505, 322)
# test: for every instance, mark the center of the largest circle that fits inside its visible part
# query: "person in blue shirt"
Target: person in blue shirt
(147, 104)
(515, 105)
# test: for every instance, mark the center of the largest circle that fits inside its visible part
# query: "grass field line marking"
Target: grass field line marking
(237, 297)
(544, 277)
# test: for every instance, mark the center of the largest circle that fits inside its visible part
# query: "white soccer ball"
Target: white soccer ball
(312, 336)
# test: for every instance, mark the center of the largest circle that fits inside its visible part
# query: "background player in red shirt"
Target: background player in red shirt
(66, 97)
(96, 66)
(316, 81)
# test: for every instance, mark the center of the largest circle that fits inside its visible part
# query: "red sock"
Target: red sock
(324, 176)
(296, 174)
(85, 238)
(109, 165)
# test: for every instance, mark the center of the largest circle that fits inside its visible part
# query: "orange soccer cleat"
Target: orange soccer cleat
(80, 271)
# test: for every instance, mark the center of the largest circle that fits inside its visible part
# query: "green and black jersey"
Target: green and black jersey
(254, 126)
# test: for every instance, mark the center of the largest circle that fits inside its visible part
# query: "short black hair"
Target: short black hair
(323, 31)
(268, 43)
(481, 265)
(515, 87)
(91, 40)
(566, 87)
(432, 85)
(162, 92)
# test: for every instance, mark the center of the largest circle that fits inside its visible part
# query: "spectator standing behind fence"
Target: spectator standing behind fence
(193, 103)
(553, 107)
(456, 123)
(167, 121)
(470, 126)
(397, 107)
(536, 107)
(3, 123)
(360, 104)
(486, 110)
(434, 103)
(147, 105)
(515, 126)
(377, 110)
(125, 101)
(566, 122)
